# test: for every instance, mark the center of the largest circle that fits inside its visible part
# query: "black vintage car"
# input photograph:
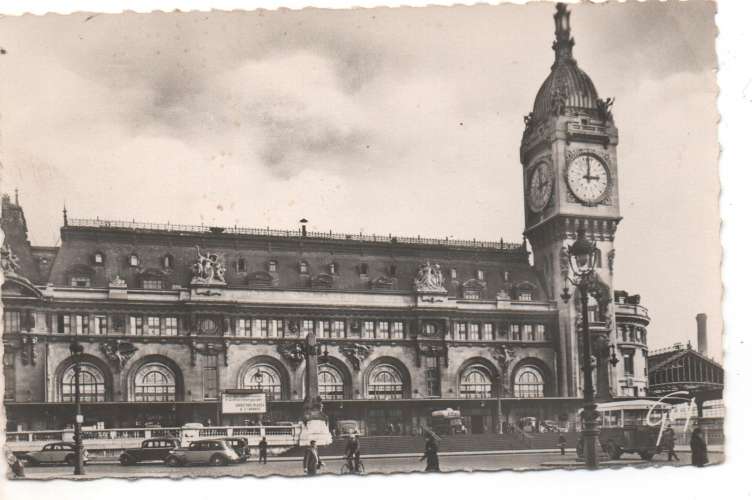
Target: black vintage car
(151, 449)
(240, 445)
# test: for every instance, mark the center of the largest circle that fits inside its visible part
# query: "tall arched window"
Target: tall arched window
(385, 382)
(264, 377)
(475, 383)
(528, 383)
(91, 384)
(331, 384)
(154, 382)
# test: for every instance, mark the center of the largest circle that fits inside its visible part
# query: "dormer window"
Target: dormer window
(363, 269)
(332, 268)
(152, 284)
(506, 276)
(133, 260)
(168, 261)
(241, 265)
(303, 267)
(80, 281)
(272, 266)
(479, 274)
(525, 296)
(98, 258)
(453, 273)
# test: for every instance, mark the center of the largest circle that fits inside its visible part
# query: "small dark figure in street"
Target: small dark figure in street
(699, 448)
(431, 455)
(263, 448)
(16, 465)
(669, 440)
(311, 460)
(352, 452)
(562, 443)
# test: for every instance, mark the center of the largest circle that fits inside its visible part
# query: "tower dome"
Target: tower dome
(567, 87)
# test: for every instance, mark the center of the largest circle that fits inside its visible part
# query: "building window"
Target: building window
(368, 329)
(460, 331)
(243, 327)
(303, 267)
(338, 329)
(307, 327)
(525, 296)
(628, 363)
(152, 284)
(265, 378)
(82, 324)
(154, 382)
(91, 384)
(527, 332)
(516, 332)
(100, 325)
(453, 273)
(363, 269)
(171, 326)
(429, 329)
(488, 331)
(12, 321)
(540, 332)
(382, 332)
(479, 274)
(137, 325)
(152, 325)
(133, 260)
(332, 268)
(470, 294)
(385, 382)
(528, 383)
(63, 323)
(398, 330)
(210, 377)
(276, 328)
(331, 385)
(433, 380)
(475, 383)
(241, 266)
(392, 270)
(272, 265)
(168, 262)
(80, 282)
(9, 375)
(473, 331)
(98, 258)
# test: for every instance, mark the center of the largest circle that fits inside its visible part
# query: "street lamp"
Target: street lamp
(76, 350)
(582, 263)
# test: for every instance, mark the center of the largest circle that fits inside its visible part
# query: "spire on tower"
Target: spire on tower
(65, 215)
(564, 41)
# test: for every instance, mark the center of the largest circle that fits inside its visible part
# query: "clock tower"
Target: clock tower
(570, 174)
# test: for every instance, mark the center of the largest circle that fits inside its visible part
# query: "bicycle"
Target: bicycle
(353, 465)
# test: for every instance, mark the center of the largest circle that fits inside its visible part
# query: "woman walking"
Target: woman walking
(699, 448)
(431, 455)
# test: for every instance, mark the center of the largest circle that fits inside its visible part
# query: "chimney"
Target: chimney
(303, 231)
(702, 333)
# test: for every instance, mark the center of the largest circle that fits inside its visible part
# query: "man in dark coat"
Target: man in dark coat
(263, 448)
(431, 455)
(311, 460)
(699, 448)
(669, 440)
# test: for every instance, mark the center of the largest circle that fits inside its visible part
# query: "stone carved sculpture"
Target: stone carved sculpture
(208, 269)
(559, 101)
(118, 282)
(611, 258)
(292, 352)
(8, 260)
(355, 353)
(118, 352)
(429, 278)
(604, 108)
(209, 348)
(504, 356)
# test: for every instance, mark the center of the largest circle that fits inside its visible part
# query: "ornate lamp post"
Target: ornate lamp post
(582, 263)
(76, 351)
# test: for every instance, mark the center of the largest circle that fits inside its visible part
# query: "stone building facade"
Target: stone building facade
(171, 316)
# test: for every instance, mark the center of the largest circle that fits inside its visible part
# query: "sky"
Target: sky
(390, 121)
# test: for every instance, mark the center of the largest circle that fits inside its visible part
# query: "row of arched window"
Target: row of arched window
(157, 382)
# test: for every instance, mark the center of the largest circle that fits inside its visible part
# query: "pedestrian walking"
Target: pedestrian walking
(562, 443)
(15, 464)
(669, 442)
(263, 447)
(311, 460)
(699, 448)
(431, 455)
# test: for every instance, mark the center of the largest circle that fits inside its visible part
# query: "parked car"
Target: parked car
(54, 453)
(151, 449)
(241, 447)
(211, 451)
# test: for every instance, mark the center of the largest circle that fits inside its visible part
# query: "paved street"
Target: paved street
(333, 465)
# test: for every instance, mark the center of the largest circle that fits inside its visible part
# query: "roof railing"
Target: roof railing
(281, 233)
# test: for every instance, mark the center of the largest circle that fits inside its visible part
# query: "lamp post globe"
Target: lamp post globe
(76, 350)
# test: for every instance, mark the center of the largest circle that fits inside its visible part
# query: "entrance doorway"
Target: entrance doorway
(476, 424)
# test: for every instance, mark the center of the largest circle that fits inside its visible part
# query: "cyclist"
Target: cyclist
(352, 453)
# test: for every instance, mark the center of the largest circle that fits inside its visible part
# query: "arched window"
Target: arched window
(154, 382)
(91, 384)
(475, 383)
(385, 382)
(528, 383)
(264, 377)
(331, 385)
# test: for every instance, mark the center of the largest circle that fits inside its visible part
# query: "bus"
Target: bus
(630, 427)
(447, 422)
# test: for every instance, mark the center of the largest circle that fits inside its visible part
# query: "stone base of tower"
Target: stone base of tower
(315, 430)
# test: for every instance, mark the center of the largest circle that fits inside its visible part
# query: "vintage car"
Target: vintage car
(54, 453)
(150, 450)
(205, 451)
(240, 445)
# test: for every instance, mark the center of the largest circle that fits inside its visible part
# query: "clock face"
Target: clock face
(588, 178)
(540, 187)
